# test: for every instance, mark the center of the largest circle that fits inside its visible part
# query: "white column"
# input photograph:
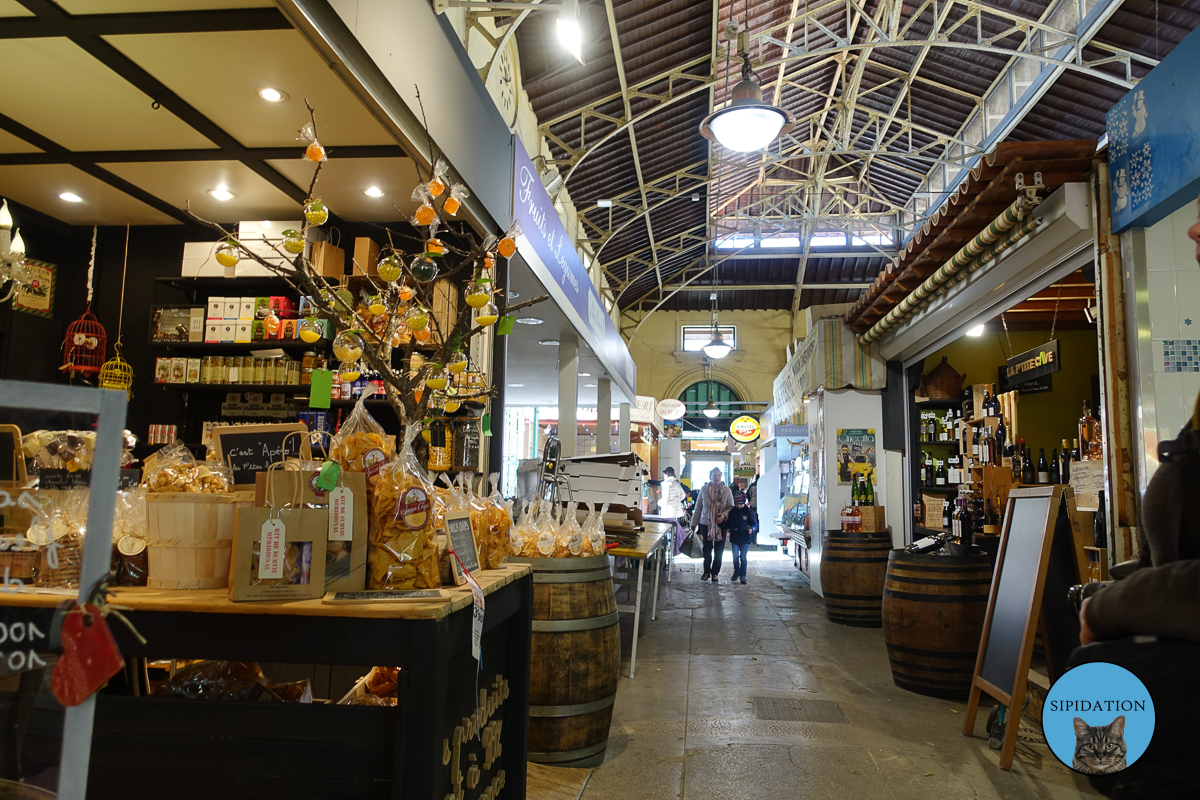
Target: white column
(568, 394)
(623, 429)
(603, 416)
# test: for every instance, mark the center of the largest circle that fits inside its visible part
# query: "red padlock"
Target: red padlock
(90, 656)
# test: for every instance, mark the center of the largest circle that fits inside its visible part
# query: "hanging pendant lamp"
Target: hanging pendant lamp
(747, 123)
(717, 347)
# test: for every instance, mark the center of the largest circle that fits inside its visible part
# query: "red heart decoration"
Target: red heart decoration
(90, 656)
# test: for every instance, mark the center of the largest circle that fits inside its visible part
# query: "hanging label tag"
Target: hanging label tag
(341, 515)
(477, 615)
(270, 550)
(327, 478)
(233, 374)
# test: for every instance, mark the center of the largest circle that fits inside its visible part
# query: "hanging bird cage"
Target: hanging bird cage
(117, 373)
(84, 346)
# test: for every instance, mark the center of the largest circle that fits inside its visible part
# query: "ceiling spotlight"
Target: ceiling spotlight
(272, 95)
(716, 347)
(604, 203)
(976, 331)
(570, 35)
(528, 320)
(747, 123)
(711, 410)
(515, 385)
(374, 191)
(1091, 312)
(70, 197)
(548, 342)
(695, 197)
(589, 386)
(585, 374)
(221, 193)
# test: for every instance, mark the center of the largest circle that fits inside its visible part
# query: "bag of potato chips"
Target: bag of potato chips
(361, 445)
(403, 552)
(498, 517)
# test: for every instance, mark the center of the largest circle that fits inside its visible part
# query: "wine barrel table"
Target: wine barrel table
(574, 659)
(852, 571)
(933, 610)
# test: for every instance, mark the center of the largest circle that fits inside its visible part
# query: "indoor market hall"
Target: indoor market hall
(586, 399)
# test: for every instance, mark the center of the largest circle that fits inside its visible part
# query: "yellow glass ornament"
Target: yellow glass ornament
(293, 242)
(438, 379)
(316, 212)
(227, 255)
(417, 319)
(389, 268)
(457, 362)
(309, 331)
(486, 315)
(479, 293)
(349, 372)
(348, 347)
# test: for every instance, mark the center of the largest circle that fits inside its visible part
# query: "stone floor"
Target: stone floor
(685, 726)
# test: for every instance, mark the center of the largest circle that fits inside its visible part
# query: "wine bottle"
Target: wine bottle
(956, 522)
(918, 515)
(946, 515)
(1027, 473)
(854, 492)
(1001, 438)
(926, 545)
(1055, 467)
(924, 468)
(1075, 450)
(941, 473)
(1100, 525)
(1064, 467)
(991, 525)
(870, 496)
(966, 524)
(953, 474)
(986, 410)
(855, 520)
(1043, 469)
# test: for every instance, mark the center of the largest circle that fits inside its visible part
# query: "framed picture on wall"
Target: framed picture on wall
(38, 296)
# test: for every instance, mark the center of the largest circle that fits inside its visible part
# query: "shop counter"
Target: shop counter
(160, 747)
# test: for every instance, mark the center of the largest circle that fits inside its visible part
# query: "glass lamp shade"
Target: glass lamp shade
(717, 348)
(711, 410)
(747, 129)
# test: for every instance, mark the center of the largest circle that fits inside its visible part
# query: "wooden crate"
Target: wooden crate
(190, 538)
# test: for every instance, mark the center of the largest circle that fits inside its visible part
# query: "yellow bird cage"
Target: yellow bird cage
(116, 373)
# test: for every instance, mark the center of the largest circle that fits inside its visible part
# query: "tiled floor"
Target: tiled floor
(685, 725)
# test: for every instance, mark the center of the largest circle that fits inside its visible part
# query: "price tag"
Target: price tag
(327, 478)
(341, 515)
(477, 615)
(270, 550)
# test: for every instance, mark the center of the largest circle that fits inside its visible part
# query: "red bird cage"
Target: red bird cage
(84, 346)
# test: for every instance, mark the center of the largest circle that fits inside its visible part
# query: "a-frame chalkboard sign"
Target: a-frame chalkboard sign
(1035, 566)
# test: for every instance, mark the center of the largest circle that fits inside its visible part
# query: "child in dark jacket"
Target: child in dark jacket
(739, 526)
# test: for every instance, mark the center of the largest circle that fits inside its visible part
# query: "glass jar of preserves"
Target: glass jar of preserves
(206, 365)
(293, 373)
(309, 359)
(441, 446)
(466, 445)
(306, 376)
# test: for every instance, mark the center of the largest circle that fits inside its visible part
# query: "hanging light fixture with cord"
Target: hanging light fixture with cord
(747, 123)
(710, 410)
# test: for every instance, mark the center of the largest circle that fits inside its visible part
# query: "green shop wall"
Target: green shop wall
(1044, 420)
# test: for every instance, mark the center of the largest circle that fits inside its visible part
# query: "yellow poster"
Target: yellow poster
(855, 455)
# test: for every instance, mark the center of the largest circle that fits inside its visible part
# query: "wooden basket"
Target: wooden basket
(942, 382)
(190, 538)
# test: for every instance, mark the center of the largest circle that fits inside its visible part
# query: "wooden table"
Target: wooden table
(650, 545)
(159, 747)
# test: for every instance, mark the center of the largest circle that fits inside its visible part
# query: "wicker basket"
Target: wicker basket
(191, 536)
(942, 382)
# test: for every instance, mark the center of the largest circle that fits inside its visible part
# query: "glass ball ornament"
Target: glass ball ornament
(423, 268)
(346, 296)
(417, 319)
(479, 293)
(422, 335)
(316, 212)
(407, 292)
(457, 362)
(376, 305)
(507, 247)
(486, 315)
(348, 347)
(451, 405)
(271, 323)
(349, 371)
(309, 331)
(389, 268)
(227, 255)
(293, 242)
(438, 379)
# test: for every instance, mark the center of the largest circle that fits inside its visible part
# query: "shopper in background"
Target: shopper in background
(673, 494)
(739, 526)
(713, 503)
(653, 498)
(752, 502)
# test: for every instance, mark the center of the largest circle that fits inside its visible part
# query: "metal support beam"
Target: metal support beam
(568, 394)
(603, 416)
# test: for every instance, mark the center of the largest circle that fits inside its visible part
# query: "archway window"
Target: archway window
(696, 397)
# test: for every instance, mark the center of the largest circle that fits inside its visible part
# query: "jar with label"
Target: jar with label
(441, 446)
(252, 374)
(282, 365)
(466, 445)
(309, 359)
(306, 376)
(206, 365)
(293, 373)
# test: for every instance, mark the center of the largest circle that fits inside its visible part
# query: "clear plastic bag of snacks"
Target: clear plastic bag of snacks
(546, 539)
(361, 445)
(403, 551)
(522, 535)
(58, 535)
(570, 534)
(130, 530)
(593, 532)
(175, 469)
(493, 547)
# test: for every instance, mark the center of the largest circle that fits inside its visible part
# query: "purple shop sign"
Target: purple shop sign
(551, 255)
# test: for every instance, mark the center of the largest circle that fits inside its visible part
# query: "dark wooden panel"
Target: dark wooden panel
(152, 783)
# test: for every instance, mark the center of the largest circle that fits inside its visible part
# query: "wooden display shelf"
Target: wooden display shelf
(264, 388)
(937, 405)
(213, 348)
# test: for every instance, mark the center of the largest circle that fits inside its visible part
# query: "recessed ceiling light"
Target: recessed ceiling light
(529, 320)
(374, 191)
(221, 193)
(585, 374)
(604, 203)
(589, 386)
(272, 95)
(515, 385)
(548, 342)
(70, 197)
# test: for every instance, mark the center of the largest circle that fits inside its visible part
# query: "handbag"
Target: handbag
(693, 545)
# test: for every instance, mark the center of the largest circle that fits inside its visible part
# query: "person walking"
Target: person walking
(673, 494)
(713, 503)
(739, 527)
(752, 504)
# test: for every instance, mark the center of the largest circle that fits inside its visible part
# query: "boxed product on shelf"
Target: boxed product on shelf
(246, 308)
(287, 330)
(258, 333)
(179, 370)
(232, 308)
(169, 323)
(162, 370)
(284, 307)
(216, 308)
(193, 370)
(228, 328)
(261, 306)
(242, 331)
(212, 331)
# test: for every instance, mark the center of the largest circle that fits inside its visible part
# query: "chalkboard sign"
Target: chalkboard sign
(1035, 565)
(62, 479)
(251, 449)
(28, 636)
(462, 542)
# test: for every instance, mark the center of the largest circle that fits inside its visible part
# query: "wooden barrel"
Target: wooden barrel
(852, 569)
(933, 609)
(574, 660)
